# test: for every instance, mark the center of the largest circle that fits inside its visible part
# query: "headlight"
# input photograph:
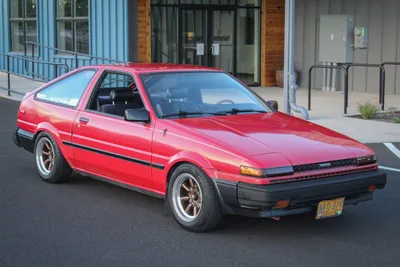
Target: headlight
(366, 160)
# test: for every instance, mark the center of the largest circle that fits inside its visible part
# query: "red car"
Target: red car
(196, 137)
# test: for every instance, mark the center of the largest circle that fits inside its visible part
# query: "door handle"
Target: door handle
(83, 120)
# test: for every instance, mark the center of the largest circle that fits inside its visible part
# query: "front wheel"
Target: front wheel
(193, 199)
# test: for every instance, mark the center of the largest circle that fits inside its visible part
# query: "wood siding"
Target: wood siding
(144, 31)
(272, 39)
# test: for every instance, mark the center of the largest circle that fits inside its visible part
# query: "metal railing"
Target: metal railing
(383, 82)
(34, 57)
(381, 85)
(75, 55)
(345, 68)
(25, 59)
(346, 77)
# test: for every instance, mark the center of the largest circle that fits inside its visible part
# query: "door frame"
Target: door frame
(208, 9)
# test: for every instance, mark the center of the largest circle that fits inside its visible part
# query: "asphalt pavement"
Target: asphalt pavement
(89, 223)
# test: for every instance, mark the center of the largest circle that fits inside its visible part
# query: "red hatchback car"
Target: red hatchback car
(196, 137)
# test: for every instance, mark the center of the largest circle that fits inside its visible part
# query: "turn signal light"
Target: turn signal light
(282, 204)
(372, 188)
(251, 171)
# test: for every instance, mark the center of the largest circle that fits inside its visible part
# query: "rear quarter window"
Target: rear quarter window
(67, 91)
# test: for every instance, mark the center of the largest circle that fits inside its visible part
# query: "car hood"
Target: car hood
(252, 135)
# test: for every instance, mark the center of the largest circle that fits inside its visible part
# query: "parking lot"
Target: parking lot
(89, 223)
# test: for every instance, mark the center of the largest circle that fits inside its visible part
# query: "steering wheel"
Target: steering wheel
(225, 100)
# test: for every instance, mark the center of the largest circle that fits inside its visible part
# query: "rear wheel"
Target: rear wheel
(193, 199)
(50, 163)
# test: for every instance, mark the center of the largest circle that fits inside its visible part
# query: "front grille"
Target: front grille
(316, 176)
(324, 165)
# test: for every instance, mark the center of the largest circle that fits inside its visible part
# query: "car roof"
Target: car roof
(154, 67)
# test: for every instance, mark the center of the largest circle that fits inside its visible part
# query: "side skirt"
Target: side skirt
(121, 184)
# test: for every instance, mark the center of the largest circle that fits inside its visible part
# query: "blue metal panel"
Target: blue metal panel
(4, 41)
(47, 35)
(108, 36)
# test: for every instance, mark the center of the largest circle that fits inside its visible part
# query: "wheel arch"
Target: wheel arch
(53, 132)
(188, 157)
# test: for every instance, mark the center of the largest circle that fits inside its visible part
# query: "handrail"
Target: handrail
(76, 54)
(35, 60)
(8, 56)
(329, 67)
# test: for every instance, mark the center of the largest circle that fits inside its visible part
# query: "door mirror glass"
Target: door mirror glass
(273, 104)
(138, 115)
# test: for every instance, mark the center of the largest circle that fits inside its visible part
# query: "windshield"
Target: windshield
(199, 94)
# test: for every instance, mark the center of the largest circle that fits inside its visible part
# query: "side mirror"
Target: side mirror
(273, 104)
(138, 115)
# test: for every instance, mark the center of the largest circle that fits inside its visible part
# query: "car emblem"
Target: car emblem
(324, 165)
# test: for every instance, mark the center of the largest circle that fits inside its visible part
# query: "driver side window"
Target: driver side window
(115, 93)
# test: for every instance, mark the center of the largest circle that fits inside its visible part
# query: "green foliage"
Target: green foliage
(396, 120)
(368, 110)
(392, 109)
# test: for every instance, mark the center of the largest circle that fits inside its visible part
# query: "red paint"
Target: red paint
(218, 144)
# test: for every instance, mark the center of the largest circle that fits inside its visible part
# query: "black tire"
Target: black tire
(60, 171)
(210, 214)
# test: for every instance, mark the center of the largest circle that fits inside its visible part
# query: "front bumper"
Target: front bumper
(304, 196)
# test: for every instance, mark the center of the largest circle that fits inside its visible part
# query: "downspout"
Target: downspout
(334, 78)
(329, 78)
(290, 78)
(324, 74)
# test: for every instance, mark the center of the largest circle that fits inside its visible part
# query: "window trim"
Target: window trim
(24, 19)
(61, 79)
(72, 19)
(97, 86)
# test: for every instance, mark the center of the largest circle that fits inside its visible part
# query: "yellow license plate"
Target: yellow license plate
(330, 208)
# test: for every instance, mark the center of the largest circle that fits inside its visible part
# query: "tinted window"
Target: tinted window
(67, 91)
(117, 81)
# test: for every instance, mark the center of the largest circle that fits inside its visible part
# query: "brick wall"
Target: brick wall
(272, 39)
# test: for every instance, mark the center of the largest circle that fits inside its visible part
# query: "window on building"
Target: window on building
(250, 26)
(23, 26)
(67, 91)
(164, 33)
(73, 25)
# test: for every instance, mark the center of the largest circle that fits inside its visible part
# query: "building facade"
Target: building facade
(91, 27)
(244, 37)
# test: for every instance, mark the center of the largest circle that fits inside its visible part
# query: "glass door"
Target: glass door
(193, 37)
(221, 36)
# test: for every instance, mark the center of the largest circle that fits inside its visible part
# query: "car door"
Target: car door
(108, 146)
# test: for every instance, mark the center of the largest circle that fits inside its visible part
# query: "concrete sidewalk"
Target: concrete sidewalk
(18, 84)
(326, 109)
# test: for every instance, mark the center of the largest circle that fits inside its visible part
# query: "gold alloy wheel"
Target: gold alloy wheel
(187, 197)
(45, 156)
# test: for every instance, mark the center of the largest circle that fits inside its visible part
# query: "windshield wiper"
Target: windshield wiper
(236, 111)
(184, 114)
